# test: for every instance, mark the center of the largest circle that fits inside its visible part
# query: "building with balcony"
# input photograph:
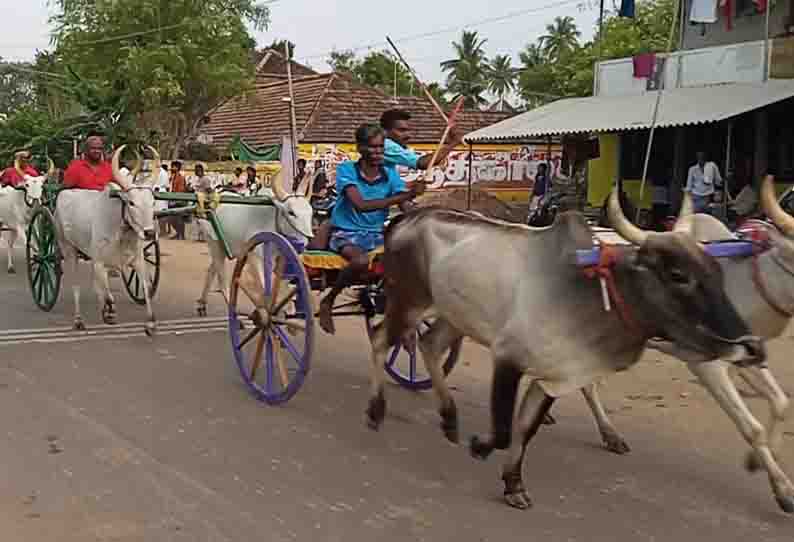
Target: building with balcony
(729, 93)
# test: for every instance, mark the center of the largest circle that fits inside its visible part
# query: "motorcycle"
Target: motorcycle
(544, 214)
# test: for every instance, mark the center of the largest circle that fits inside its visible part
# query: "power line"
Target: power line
(450, 30)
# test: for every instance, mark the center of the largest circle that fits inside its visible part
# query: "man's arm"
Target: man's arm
(71, 177)
(690, 179)
(366, 205)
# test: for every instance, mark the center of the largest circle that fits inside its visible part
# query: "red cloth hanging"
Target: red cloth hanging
(760, 5)
(643, 64)
(727, 12)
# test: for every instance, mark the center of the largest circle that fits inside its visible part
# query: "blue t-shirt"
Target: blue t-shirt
(395, 154)
(345, 216)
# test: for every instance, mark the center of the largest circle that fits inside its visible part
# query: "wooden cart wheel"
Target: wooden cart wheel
(133, 283)
(403, 364)
(271, 318)
(43, 259)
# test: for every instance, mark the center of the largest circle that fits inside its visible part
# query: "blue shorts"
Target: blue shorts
(365, 240)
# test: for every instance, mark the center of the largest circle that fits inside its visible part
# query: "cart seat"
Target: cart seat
(324, 259)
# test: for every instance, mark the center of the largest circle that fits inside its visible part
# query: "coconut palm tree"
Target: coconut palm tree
(467, 72)
(562, 37)
(501, 77)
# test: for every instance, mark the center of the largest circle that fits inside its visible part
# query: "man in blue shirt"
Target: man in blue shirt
(396, 123)
(366, 191)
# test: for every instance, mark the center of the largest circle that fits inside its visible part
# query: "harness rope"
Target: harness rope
(761, 244)
(609, 256)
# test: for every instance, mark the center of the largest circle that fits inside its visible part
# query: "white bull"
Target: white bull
(290, 214)
(109, 231)
(16, 207)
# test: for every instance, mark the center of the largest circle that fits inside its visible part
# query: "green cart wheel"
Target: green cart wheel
(133, 283)
(44, 259)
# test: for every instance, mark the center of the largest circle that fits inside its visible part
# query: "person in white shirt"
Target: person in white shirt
(701, 181)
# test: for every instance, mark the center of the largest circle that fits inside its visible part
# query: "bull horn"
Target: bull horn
(138, 166)
(18, 167)
(278, 186)
(155, 165)
(307, 186)
(622, 226)
(117, 176)
(684, 225)
(772, 208)
(51, 168)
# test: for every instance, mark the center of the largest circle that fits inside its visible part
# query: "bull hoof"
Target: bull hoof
(376, 411)
(12, 271)
(520, 500)
(479, 448)
(549, 420)
(109, 318)
(449, 423)
(201, 309)
(150, 328)
(79, 325)
(786, 504)
(752, 463)
(616, 445)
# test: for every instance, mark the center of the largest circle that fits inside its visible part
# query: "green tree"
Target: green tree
(438, 93)
(501, 77)
(343, 61)
(279, 45)
(544, 77)
(561, 39)
(173, 60)
(378, 69)
(17, 86)
(467, 72)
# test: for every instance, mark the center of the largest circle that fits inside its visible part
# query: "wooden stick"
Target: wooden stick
(450, 124)
(418, 81)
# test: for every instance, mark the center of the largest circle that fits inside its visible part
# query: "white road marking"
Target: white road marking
(126, 330)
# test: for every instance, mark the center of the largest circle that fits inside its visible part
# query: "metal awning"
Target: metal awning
(677, 107)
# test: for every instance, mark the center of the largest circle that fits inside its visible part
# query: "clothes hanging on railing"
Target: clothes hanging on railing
(643, 65)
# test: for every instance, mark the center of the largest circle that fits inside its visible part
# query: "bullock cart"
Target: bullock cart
(45, 263)
(271, 307)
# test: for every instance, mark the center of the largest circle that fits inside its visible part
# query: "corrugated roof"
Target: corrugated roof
(677, 107)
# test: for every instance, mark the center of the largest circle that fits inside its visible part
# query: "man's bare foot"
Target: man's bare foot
(326, 317)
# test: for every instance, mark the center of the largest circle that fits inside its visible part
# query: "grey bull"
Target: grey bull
(762, 289)
(433, 259)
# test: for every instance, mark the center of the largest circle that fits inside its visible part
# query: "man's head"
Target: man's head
(701, 157)
(199, 170)
(238, 171)
(369, 141)
(301, 165)
(543, 167)
(176, 166)
(318, 165)
(251, 172)
(94, 149)
(395, 122)
(165, 167)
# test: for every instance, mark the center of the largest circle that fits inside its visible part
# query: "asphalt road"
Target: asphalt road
(127, 438)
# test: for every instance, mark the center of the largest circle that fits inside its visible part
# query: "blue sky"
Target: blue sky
(318, 27)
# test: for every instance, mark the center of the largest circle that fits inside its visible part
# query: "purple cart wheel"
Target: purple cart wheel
(271, 323)
(406, 368)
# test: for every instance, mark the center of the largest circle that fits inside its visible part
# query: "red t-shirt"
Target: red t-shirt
(10, 177)
(81, 174)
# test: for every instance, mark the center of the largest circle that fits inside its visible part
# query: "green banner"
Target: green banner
(242, 151)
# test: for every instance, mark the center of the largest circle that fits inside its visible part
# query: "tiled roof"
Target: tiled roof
(271, 66)
(328, 109)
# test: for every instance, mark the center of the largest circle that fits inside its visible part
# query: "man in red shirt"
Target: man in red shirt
(10, 177)
(91, 173)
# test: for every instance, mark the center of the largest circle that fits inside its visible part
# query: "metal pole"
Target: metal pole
(766, 40)
(655, 116)
(468, 189)
(600, 41)
(294, 124)
(728, 150)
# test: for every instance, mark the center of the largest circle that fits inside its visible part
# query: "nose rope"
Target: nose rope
(608, 257)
